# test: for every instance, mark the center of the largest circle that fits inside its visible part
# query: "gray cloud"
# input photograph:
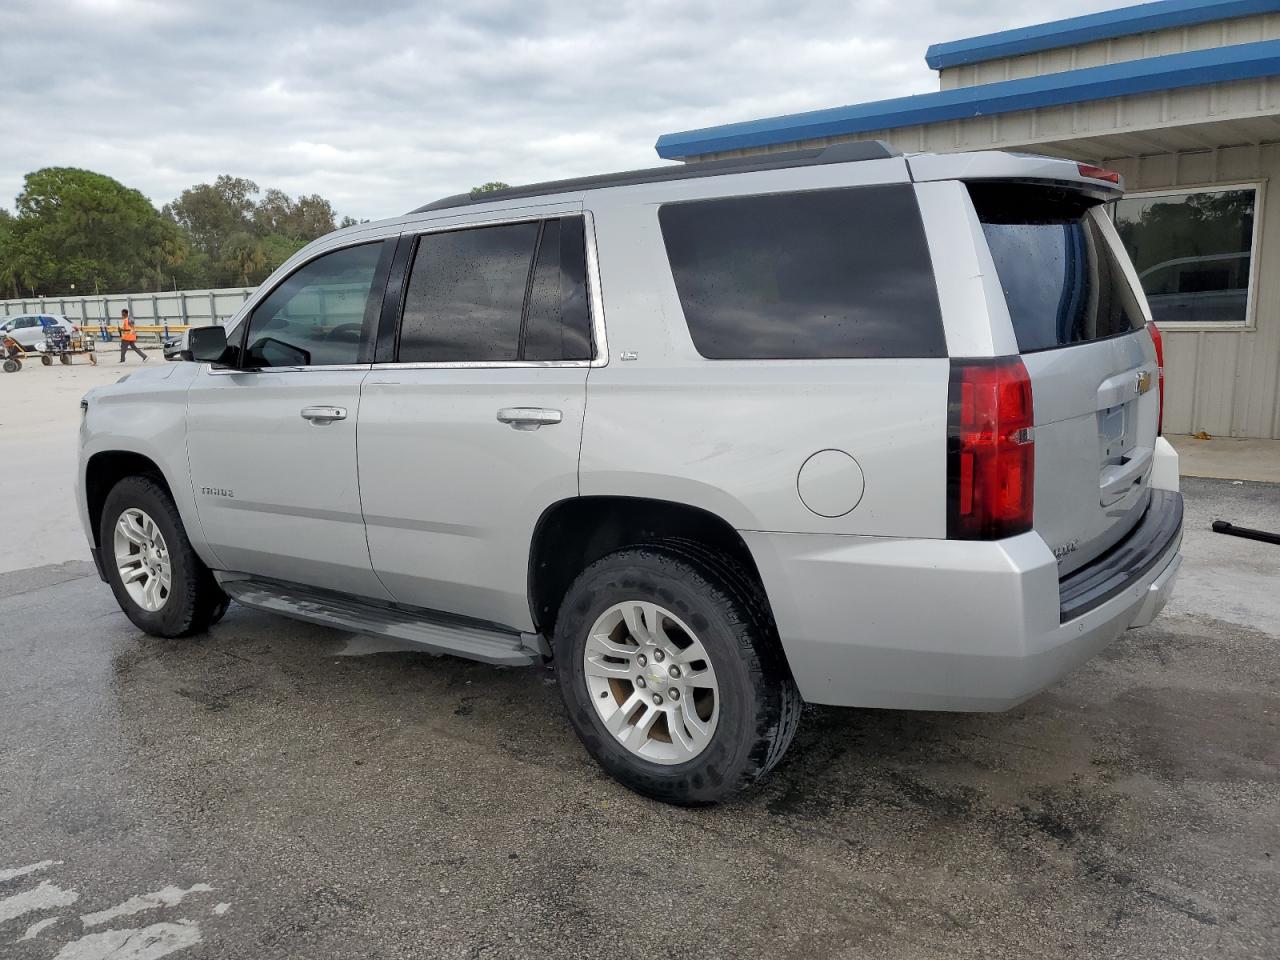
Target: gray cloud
(383, 106)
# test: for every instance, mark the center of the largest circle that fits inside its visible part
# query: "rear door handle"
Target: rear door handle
(529, 418)
(320, 415)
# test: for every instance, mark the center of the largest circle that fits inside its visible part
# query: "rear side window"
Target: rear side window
(494, 294)
(1062, 280)
(814, 275)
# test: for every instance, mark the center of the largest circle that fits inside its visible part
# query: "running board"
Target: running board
(438, 633)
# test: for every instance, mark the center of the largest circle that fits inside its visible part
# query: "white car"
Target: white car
(28, 329)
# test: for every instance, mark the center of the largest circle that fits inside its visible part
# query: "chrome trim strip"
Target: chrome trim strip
(480, 364)
(332, 368)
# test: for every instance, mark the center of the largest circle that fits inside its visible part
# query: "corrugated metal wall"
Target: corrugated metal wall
(1225, 382)
(1155, 43)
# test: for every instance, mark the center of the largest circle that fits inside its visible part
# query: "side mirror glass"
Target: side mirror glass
(207, 344)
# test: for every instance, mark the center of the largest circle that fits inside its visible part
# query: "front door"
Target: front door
(476, 429)
(272, 437)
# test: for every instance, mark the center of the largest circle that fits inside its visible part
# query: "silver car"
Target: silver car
(839, 426)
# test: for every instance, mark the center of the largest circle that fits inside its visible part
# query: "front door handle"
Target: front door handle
(529, 418)
(320, 415)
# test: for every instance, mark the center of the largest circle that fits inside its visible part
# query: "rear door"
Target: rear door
(474, 427)
(1080, 321)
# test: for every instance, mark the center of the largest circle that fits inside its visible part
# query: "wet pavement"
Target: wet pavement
(255, 793)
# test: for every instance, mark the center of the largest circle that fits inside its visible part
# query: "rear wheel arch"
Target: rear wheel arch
(574, 533)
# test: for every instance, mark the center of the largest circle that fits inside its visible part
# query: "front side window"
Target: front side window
(1193, 251)
(324, 314)
(498, 294)
(841, 273)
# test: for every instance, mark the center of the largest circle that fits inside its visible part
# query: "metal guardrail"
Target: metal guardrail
(152, 313)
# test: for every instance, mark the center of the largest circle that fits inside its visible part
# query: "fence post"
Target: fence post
(182, 307)
(106, 321)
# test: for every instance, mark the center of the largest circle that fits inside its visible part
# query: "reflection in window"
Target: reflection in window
(1193, 252)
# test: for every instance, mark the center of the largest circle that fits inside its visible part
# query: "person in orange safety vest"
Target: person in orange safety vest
(128, 337)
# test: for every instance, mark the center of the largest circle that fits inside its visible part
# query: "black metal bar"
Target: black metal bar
(1231, 530)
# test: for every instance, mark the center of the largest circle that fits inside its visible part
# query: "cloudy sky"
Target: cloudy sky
(381, 105)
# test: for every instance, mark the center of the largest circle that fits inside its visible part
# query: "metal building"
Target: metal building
(1182, 98)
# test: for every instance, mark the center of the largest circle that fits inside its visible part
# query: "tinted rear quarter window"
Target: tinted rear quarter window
(811, 275)
(1062, 280)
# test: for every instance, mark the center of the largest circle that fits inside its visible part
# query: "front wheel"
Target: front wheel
(46, 360)
(672, 674)
(159, 582)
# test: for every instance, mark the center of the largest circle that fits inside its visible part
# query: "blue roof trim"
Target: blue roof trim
(1095, 26)
(1240, 62)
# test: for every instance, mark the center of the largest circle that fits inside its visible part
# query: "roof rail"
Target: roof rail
(853, 151)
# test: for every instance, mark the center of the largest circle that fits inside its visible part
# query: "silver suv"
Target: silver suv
(839, 426)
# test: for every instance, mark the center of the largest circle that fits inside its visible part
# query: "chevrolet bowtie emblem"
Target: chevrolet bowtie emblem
(1144, 382)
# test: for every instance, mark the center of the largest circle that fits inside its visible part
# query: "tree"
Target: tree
(489, 187)
(8, 279)
(79, 227)
(214, 212)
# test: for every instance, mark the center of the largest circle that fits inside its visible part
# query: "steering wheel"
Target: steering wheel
(345, 331)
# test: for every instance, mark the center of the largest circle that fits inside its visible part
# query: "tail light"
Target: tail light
(990, 450)
(1159, 345)
(1098, 173)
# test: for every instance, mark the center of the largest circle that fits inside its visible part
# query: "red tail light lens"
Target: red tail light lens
(1098, 173)
(1159, 345)
(991, 451)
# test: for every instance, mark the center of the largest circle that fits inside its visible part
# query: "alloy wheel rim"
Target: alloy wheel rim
(142, 560)
(651, 682)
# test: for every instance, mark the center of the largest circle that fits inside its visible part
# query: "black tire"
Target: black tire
(759, 704)
(64, 359)
(195, 601)
(12, 365)
(46, 360)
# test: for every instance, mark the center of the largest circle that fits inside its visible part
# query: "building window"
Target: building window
(1193, 251)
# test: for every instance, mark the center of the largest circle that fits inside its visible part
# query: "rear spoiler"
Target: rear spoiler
(1022, 167)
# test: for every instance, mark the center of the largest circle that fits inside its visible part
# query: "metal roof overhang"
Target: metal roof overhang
(1247, 61)
(1183, 138)
(1144, 17)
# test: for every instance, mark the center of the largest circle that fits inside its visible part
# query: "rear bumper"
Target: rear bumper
(953, 625)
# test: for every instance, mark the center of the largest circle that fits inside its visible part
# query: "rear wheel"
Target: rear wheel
(64, 359)
(159, 582)
(672, 674)
(46, 360)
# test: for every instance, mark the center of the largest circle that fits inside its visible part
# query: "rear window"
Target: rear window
(815, 275)
(1061, 278)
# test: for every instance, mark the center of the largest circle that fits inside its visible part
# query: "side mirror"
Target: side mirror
(207, 344)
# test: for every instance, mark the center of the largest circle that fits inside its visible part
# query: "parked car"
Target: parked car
(29, 329)
(839, 426)
(174, 345)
